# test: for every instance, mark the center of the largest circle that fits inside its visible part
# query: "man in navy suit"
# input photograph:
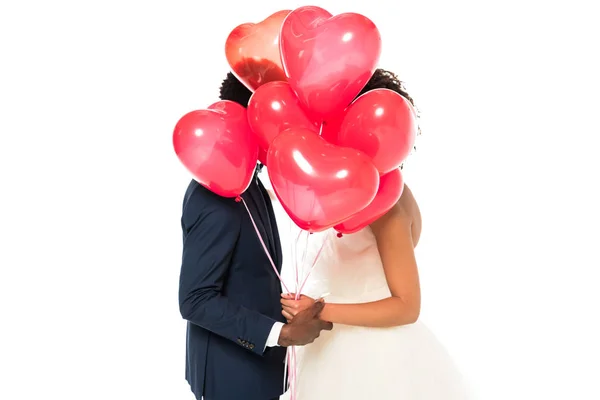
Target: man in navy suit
(230, 295)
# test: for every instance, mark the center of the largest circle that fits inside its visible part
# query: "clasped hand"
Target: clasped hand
(304, 324)
(291, 307)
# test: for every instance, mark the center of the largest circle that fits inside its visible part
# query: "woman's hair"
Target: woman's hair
(232, 89)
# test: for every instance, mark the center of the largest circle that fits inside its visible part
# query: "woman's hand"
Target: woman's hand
(292, 307)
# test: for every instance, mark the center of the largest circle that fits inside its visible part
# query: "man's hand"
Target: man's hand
(305, 327)
(291, 307)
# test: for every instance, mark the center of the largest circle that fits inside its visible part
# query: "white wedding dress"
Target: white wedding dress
(357, 363)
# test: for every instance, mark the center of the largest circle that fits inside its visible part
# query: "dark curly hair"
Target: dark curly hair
(383, 79)
(232, 89)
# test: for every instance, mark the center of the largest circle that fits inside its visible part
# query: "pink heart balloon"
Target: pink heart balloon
(328, 59)
(272, 109)
(218, 148)
(383, 125)
(252, 51)
(317, 183)
(390, 189)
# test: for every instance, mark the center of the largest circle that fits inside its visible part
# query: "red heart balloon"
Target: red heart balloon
(274, 108)
(390, 189)
(262, 156)
(217, 146)
(331, 128)
(382, 124)
(327, 59)
(252, 51)
(317, 183)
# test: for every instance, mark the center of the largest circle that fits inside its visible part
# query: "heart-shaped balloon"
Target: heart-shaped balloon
(317, 183)
(390, 189)
(382, 124)
(262, 156)
(327, 59)
(331, 128)
(252, 51)
(274, 108)
(218, 147)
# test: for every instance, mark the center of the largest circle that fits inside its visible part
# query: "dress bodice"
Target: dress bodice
(348, 268)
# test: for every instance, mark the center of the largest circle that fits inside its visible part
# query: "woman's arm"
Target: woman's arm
(396, 234)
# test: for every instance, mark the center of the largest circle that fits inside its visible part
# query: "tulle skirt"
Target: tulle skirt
(356, 363)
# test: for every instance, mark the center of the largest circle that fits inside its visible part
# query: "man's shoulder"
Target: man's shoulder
(199, 200)
(191, 189)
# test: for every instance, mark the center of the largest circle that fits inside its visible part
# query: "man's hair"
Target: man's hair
(234, 90)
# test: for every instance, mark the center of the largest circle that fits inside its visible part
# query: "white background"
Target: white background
(505, 173)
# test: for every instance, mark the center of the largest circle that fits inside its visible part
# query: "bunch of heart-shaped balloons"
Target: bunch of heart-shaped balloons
(333, 159)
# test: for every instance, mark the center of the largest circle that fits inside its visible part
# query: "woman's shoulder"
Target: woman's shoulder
(408, 204)
(405, 212)
(411, 209)
(406, 207)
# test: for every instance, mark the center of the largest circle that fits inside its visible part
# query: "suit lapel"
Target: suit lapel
(275, 240)
(260, 212)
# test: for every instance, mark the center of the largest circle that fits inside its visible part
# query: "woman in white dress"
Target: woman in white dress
(377, 349)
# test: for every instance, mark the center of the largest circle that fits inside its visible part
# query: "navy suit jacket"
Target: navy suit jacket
(230, 295)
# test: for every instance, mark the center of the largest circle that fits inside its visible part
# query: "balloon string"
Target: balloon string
(291, 360)
(294, 391)
(285, 371)
(291, 351)
(291, 367)
(304, 254)
(291, 355)
(296, 268)
(262, 242)
(311, 268)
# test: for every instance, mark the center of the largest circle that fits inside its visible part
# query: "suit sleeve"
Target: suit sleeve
(211, 229)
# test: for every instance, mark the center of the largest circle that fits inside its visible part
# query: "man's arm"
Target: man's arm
(273, 339)
(212, 225)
